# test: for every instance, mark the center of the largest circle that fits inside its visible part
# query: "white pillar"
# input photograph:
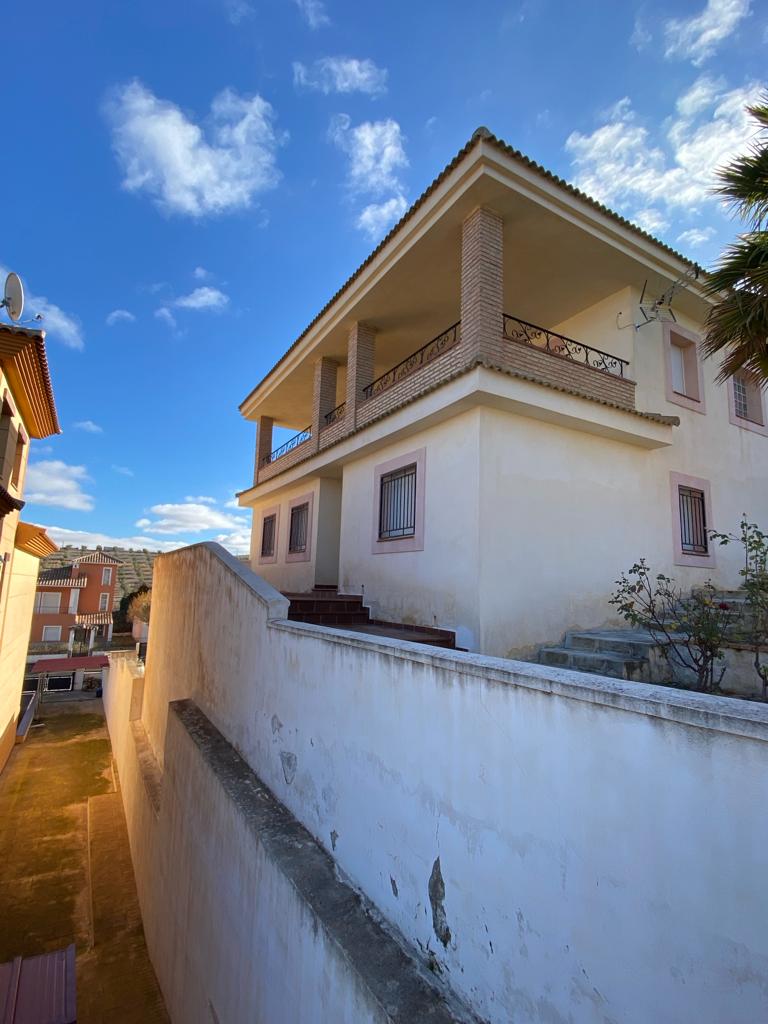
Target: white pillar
(71, 641)
(109, 631)
(91, 639)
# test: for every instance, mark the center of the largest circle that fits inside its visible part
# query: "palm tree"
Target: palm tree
(737, 325)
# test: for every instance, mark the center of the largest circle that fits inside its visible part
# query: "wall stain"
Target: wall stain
(393, 883)
(277, 725)
(289, 762)
(436, 898)
(334, 838)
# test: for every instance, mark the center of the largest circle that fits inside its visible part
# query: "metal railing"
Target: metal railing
(434, 348)
(558, 345)
(335, 414)
(290, 444)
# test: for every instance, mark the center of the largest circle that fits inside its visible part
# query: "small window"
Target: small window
(74, 599)
(103, 602)
(51, 633)
(47, 603)
(18, 459)
(397, 504)
(684, 377)
(693, 522)
(268, 536)
(747, 399)
(297, 537)
(106, 577)
(678, 369)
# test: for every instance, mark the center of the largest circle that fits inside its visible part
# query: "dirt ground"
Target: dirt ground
(65, 868)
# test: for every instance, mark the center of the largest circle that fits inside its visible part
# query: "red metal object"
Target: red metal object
(39, 989)
(49, 665)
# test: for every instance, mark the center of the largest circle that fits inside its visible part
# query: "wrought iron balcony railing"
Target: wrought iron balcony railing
(558, 345)
(290, 444)
(335, 414)
(442, 343)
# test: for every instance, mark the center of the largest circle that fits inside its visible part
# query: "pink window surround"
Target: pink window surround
(694, 375)
(274, 511)
(306, 555)
(416, 542)
(676, 481)
(738, 421)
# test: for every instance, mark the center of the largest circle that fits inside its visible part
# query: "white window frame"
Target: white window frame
(106, 576)
(40, 595)
(104, 601)
(74, 601)
(51, 639)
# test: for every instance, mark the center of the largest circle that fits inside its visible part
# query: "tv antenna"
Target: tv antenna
(660, 310)
(13, 297)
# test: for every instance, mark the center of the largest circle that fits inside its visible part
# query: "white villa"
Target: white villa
(485, 439)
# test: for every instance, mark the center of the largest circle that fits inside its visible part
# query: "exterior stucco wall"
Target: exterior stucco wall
(19, 601)
(437, 585)
(291, 576)
(598, 844)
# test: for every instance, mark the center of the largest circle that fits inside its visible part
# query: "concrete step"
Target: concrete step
(304, 606)
(602, 663)
(335, 618)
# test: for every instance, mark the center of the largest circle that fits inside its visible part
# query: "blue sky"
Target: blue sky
(186, 184)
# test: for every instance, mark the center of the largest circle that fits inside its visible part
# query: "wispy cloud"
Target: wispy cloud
(119, 316)
(88, 426)
(187, 517)
(53, 482)
(697, 38)
(165, 154)
(201, 499)
(203, 298)
(376, 156)
(123, 470)
(238, 10)
(63, 327)
(314, 13)
(696, 236)
(166, 316)
(652, 174)
(77, 538)
(341, 75)
(641, 37)
(200, 273)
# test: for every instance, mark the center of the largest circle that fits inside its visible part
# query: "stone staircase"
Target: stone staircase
(324, 606)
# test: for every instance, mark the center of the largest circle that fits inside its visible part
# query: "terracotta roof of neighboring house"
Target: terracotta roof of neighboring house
(25, 364)
(8, 503)
(481, 134)
(61, 576)
(34, 540)
(99, 558)
(50, 665)
(93, 619)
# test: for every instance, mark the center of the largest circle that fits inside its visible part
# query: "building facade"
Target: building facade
(74, 603)
(27, 411)
(494, 421)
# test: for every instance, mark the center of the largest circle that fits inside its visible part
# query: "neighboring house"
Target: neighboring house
(27, 410)
(75, 602)
(496, 479)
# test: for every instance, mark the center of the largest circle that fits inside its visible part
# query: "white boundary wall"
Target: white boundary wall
(602, 844)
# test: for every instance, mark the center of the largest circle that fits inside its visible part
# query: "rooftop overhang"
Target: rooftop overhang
(25, 365)
(562, 253)
(8, 503)
(34, 540)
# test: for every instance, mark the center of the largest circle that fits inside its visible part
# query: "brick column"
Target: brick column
(263, 443)
(482, 286)
(323, 396)
(360, 362)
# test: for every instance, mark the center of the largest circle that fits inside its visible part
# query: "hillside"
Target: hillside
(135, 570)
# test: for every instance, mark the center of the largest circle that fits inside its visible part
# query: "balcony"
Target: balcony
(524, 350)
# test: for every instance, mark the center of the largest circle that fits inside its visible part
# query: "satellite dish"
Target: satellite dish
(13, 296)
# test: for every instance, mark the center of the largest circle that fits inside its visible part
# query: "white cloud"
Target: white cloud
(123, 470)
(341, 75)
(188, 517)
(238, 541)
(77, 538)
(166, 316)
(641, 36)
(672, 171)
(314, 13)
(376, 156)
(53, 482)
(119, 316)
(203, 298)
(164, 153)
(698, 37)
(64, 327)
(696, 236)
(202, 499)
(200, 273)
(651, 220)
(238, 10)
(88, 426)
(376, 218)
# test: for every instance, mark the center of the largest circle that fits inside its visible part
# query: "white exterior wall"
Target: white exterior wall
(601, 853)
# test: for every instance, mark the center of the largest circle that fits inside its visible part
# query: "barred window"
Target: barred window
(693, 522)
(747, 400)
(297, 537)
(397, 504)
(268, 536)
